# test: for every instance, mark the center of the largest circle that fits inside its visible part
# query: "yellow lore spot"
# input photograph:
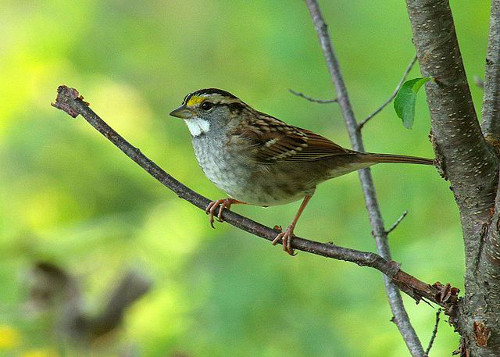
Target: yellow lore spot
(195, 100)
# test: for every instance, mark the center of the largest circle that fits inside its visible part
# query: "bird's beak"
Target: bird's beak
(182, 112)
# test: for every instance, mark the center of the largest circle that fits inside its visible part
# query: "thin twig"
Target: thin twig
(434, 332)
(393, 295)
(396, 224)
(393, 95)
(69, 100)
(311, 99)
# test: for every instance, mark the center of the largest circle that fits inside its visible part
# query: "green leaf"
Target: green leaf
(404, 103)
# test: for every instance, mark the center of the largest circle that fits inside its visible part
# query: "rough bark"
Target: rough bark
(491, 101)
(470, 165)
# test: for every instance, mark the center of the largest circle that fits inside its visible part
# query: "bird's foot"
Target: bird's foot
(286, 238)
(223, 204)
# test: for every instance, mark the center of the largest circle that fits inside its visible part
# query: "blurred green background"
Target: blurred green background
(70, 198)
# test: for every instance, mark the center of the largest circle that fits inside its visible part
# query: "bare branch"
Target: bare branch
(55, 290)
(311, 99)
(491, 100)
(71, 102)
(131, 287)
(393, 95)
(396, 224)
(434, 333)
(395, 300)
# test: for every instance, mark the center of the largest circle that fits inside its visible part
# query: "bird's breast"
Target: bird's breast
(247, 181)
(224, 169)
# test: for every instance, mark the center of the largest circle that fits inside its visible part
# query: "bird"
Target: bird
(260, 160)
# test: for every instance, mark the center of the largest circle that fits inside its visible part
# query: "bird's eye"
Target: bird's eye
(206, 105)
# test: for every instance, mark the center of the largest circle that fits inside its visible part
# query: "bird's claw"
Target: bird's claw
(212, 207)
(286, 238)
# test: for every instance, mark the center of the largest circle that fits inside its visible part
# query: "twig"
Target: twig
(434, 332)
(71, 102)
(393, 95)
(311, 99)
(396, 224)
(393, 295)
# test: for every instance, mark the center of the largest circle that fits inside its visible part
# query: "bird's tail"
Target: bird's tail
(389, 158)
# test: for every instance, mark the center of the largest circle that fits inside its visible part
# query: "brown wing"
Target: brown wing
(271, 140)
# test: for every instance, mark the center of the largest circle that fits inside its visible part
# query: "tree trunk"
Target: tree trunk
(470, 164)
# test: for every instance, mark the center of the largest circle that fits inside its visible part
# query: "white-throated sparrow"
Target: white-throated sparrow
(260, 160)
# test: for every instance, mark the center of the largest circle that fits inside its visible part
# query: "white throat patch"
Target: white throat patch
(197, 126)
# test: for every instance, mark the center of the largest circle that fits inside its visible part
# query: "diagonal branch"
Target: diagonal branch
(395, 300)
(398, 221)
(491, 101)
(434, 332)
(393, 95)
(71, 102)
(311, 99)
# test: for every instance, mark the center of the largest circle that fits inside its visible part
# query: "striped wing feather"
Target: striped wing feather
(271, 140)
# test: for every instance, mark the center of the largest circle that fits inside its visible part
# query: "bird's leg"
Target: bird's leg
(286, 236)
(224, 203)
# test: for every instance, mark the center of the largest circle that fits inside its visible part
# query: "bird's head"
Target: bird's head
(208, 108)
